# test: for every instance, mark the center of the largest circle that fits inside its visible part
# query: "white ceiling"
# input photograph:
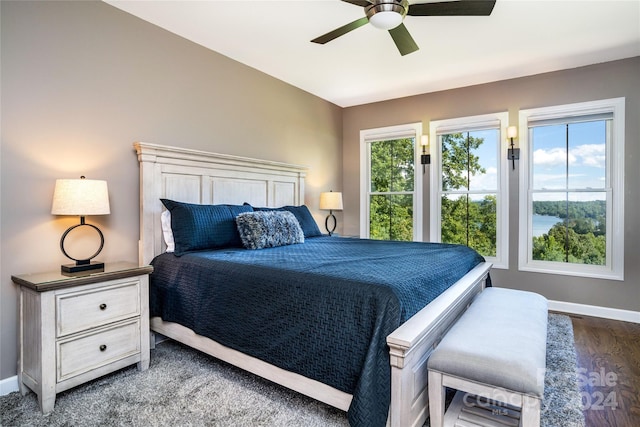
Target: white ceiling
(521, 37)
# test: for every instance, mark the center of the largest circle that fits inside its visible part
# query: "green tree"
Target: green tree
(458, 160)
(579, 239)
(392, 171)
(483, 237)
(572, 242)
(465, 221)
(547, 248)
(454, 220)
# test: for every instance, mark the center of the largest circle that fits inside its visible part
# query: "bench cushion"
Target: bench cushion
(500, 340)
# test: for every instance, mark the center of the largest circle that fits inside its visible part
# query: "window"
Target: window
(469, 200)
(571, 195)
(391, 200)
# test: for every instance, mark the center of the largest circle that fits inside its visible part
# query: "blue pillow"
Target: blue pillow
(307, 223)
(268, 229)
(302, 214)
(198, 227)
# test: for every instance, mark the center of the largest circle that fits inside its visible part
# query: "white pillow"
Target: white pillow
(165, 220)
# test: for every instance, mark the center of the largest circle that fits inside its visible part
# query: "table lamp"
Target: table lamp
(331, 201)
(81, 197)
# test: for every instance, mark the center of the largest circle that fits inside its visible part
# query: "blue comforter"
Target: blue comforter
(322, 309)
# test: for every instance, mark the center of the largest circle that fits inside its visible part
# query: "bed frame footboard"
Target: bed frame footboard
(411, 344)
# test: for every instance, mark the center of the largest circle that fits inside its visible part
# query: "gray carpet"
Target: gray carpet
(184, 387)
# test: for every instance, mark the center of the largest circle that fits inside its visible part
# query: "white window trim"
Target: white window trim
(501, 120)
(380, 134)
(614, 269)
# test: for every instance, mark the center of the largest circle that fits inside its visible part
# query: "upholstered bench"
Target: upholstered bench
(495, 351)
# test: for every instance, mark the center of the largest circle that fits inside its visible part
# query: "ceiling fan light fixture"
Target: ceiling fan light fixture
(387, 15)
(386, 20)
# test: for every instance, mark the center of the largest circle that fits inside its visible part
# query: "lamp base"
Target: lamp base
(331, 216)
(77, 268)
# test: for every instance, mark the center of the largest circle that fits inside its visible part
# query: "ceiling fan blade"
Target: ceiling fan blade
(453, 8)
(362, 3)
(341, 31)
(403, 40)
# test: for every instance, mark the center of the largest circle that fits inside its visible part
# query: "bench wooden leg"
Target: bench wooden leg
(530, 415)
(436, 399)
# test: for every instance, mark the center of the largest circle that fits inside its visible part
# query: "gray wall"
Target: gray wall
(608, 80)
(81, 81)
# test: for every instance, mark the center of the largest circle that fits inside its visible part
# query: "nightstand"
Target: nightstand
(77, 328)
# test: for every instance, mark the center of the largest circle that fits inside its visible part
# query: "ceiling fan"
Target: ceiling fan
(389, 14)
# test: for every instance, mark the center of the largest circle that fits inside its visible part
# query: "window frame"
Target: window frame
(410, 130)
(498, 121)
(614, 266)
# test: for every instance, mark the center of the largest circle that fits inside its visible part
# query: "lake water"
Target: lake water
(542, 224)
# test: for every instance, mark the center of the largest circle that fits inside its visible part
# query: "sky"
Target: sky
(586, 166)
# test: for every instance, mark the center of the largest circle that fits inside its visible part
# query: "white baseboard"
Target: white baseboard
(9, 385)
(595, 311)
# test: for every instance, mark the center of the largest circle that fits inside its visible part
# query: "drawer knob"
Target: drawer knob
(103, 306)
(103, 347)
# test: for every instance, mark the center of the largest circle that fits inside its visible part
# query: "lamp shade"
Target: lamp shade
(331, 200)
(82, 197)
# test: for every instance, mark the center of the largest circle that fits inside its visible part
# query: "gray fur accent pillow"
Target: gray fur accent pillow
(268, 229)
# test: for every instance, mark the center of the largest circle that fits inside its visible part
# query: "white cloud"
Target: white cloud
(553, 157)
(487, 181)
(550, 181)
(590, 155)
(492, 171)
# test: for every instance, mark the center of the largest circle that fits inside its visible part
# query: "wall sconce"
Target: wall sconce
(513, 154)
(331, 201)
(81, 197)
(425, 159)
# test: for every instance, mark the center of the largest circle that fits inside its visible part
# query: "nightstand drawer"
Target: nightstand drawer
(89, 352)
(78, 311)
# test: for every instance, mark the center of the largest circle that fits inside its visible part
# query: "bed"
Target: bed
(408, 331)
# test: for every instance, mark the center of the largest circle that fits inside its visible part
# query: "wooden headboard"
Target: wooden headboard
(194, 176)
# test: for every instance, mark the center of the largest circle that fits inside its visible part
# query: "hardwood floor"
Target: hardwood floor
(609, 362)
